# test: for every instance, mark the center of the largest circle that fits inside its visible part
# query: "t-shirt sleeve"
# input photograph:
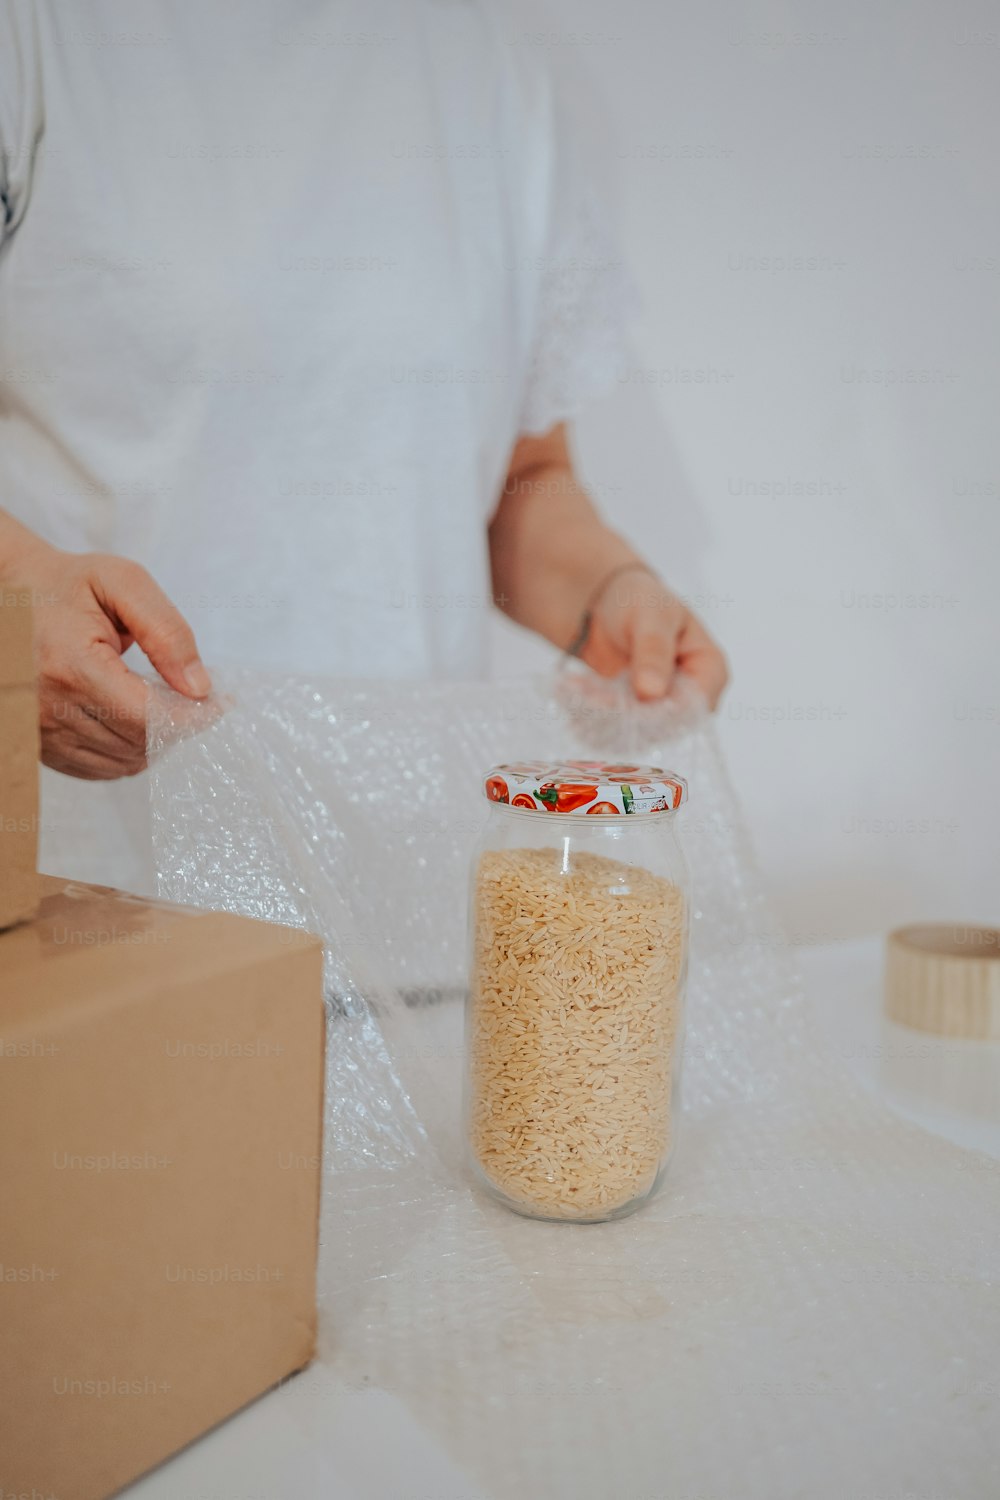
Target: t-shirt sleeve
(583, 294)
(20, 109)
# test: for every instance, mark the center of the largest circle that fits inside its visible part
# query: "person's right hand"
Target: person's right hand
(88, 610)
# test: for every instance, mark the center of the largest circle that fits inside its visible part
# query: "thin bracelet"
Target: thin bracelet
(587, 619)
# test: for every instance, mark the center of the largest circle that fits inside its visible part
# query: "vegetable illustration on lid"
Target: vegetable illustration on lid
(585, 786)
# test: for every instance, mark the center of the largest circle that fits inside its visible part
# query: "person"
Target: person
(296, 305)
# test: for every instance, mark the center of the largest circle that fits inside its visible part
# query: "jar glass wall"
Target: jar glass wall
(574, 1023)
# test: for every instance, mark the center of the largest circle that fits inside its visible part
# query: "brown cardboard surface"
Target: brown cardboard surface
(160, 1146)
(18, 804)
(17, 666)
(19, 750)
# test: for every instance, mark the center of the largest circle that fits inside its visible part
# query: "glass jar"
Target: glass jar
(574, 1022)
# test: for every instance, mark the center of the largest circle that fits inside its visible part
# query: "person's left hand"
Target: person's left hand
(559, 570)
(638, 625)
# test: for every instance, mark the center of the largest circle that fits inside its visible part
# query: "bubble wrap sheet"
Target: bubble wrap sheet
(809, 1308)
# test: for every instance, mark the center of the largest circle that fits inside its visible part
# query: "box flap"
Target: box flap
(91, 946)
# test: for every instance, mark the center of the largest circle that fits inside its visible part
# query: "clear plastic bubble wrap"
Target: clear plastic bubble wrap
(808, 1308)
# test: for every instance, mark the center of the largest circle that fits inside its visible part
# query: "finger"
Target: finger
(699, 657)
(113, 695)
(87, 765)
(653, 657)
(601, 654)
(79, 747)
(141, 610)
(86, 721)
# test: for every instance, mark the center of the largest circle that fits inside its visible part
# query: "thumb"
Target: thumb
(138, 606)
(653, 655)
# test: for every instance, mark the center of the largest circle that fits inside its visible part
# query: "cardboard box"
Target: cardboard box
(19, 751)
(160, 1149)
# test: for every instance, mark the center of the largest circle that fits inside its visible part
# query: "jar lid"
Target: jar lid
(585, 786)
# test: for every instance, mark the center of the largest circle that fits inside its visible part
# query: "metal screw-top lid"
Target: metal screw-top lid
(585, 786)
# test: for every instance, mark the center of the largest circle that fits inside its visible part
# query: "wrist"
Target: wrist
(619, 572)
(569, 586)
(550, 551)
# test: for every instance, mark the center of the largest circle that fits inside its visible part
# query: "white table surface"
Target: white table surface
(374, 1449)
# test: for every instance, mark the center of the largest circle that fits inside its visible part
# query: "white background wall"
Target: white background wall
(859, 606)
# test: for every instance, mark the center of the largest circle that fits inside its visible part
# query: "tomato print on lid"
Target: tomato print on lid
(604, 788)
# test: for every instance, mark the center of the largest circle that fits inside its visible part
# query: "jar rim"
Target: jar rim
(663, 815)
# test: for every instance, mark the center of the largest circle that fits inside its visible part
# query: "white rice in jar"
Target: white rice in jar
(573, 1021)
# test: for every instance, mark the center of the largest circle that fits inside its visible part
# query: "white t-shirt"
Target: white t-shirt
(281, 282)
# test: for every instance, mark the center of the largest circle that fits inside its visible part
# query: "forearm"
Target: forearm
(550, 549)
